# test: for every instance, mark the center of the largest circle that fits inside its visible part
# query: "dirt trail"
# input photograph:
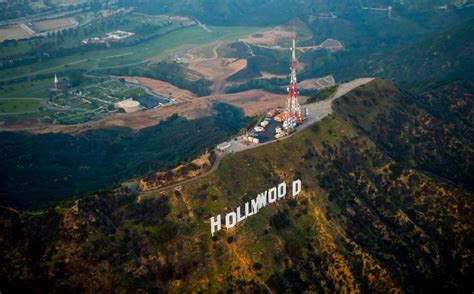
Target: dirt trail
(250, 48)
(214, 50)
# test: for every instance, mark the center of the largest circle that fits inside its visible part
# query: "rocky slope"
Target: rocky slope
(386, 206)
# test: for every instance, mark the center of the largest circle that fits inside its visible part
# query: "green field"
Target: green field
(152, 50)
(18, 106)
(71, 107)
(132, 93)
(33, 89)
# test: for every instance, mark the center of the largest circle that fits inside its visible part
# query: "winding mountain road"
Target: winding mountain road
(317, 111)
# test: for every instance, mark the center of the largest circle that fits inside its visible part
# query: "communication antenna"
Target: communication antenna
(293, 108)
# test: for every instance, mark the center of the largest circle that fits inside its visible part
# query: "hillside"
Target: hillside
(47, 168)
(377, 212)
(448, 55)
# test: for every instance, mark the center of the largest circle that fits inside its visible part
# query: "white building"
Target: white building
(129, 105)
(223, 146)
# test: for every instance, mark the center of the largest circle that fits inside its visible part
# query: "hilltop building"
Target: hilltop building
(111, 36)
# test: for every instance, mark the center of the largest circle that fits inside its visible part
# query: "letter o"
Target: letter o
(272, 195)
(230, 220)
(282, 190)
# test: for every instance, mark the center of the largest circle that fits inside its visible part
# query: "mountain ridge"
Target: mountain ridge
(365, 221)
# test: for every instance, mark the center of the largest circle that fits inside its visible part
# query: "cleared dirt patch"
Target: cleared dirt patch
(219, 68)
(267, 75)
(269, 37)
(164, 89)
(14, 33)
(214, 68)
(55, 24)
(253, 102)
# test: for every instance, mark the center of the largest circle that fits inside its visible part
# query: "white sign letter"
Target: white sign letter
(239, 216)
(296, 187)
(281, 190)
(255, 205)
(248, 212)
(272, 195)
(230, 220)
(262, 200)
(215, 224)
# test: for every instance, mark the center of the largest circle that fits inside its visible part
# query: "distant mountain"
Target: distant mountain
(272, 12)
(222, 12)
(443, 56)
(449, 55)
(386, 204)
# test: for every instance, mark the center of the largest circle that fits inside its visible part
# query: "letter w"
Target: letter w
(262, 200)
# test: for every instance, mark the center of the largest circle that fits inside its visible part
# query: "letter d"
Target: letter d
(296, 187)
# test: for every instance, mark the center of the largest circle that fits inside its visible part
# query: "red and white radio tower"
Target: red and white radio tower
(293, 109)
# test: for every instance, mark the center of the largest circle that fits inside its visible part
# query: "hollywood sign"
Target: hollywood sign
(250, 208)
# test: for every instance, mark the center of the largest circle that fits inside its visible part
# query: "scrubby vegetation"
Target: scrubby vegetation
(323, 94)
(409, 132)
(258, 64)
(371, 218)
(237, 50)
(53, 167)
(274, 85)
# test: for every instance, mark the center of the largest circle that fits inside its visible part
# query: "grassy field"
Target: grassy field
(152, 50)
(132, 92)
(33, 89)
(75, 118)
(17, 106)
(206, 51)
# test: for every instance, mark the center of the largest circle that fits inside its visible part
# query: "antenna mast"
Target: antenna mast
(293, 108)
